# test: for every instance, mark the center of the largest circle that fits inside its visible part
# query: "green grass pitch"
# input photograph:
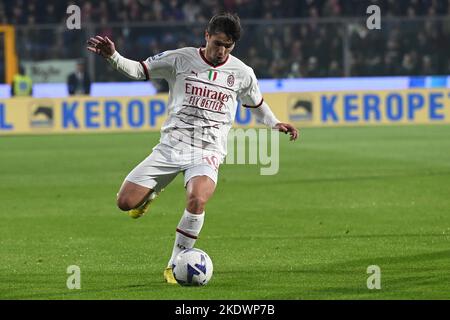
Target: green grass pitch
(344, 199)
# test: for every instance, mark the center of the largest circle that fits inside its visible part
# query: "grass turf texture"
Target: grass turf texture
(344, 199)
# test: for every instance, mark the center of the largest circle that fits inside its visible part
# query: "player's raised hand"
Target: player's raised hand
(102, 46)
(287, 128)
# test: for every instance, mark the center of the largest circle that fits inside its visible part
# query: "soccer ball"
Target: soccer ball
(192, 267)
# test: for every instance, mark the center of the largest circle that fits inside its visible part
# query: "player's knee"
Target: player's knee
(196, 203)
(124, 203)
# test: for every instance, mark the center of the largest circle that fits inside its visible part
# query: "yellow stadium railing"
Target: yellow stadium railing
(10, 56)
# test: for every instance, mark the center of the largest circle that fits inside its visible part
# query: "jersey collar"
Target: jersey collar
(209, 63)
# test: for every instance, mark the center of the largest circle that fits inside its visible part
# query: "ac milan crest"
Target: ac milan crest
(230, 80)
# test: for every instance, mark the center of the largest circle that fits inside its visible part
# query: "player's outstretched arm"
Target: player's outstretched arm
(104, 47)
(287, 128)
(101, 46)
(264, 115)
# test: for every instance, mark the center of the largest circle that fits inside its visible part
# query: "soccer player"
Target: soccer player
(204, 84)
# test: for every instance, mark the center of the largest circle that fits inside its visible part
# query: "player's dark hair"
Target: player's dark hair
(228, 23)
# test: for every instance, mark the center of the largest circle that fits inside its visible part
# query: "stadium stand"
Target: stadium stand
(314, 38)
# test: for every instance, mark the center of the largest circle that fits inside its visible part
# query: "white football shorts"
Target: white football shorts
(165, 162)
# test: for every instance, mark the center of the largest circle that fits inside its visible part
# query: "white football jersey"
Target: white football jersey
(202, 98)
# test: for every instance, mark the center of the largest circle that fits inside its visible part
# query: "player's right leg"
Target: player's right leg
(145, 182)
(134, 198)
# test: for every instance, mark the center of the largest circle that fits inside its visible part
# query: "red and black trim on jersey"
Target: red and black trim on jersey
(147, 75)
(257, 106)
(209, 63)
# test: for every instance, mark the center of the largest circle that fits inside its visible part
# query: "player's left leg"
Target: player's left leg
(199, 189)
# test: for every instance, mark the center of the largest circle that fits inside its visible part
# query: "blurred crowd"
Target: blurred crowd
(53, 11)
(297, 48)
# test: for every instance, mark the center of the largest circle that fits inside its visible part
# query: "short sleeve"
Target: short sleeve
(160, 66)
(251, 96)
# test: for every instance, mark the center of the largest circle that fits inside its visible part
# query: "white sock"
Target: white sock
(187, 232)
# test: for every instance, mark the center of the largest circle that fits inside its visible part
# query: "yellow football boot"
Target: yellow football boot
(168, 276)
(141, 210)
